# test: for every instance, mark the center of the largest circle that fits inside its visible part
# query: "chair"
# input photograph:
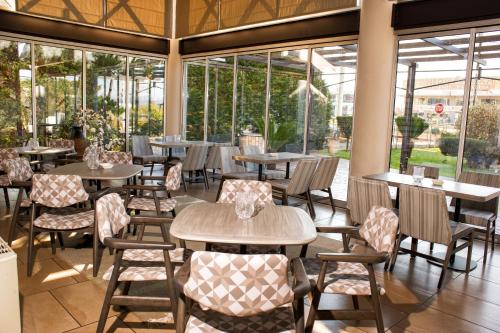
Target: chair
(363, 194)
(6, 154)
(135, 260)
(253, 294)
(483, 215)
(116, 157)
(352, 274)
(152, 203)
(298, 184)
(214, 160)
(195, 162)
(53, 210)
(423, 214)
(429, 171)
(323, 177)
(143, 153)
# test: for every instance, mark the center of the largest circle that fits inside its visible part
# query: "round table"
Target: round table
(218, 223)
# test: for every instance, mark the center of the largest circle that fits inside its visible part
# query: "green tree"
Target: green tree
(418, 126)
(345, 127)
(482, 122)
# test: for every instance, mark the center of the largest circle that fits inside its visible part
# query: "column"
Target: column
(174, 90)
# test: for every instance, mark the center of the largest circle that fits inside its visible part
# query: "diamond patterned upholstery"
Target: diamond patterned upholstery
(174, 177)
(65, 222)
(6, 154)
(116, 157)
(111, 215)
(58, 190)
(178, 255)
(4, 180)
(139, 273)
(148, 204)
(230, 187)
(17, 169)
(62, 143)
(380, 228)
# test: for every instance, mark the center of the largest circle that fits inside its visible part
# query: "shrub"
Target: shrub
(345, 127)
(448, 145)
(418, 126)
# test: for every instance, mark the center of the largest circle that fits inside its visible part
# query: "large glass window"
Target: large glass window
(194, 99)
(220, 99)
(146, 96)
(15, 93)
(288, 89)
(58, 89)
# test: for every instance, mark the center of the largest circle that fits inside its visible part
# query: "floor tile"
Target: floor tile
(46, 275)
(113, 325)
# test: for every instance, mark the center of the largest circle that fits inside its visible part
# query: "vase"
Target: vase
(78, 137)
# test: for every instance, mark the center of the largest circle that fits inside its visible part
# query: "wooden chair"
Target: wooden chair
(429, 171)
(195, 162)
(143, 153)
(298, 184)
(214, 162)
(263, 276)
(6, 154)
(323, 177)
(363, 194)
(53, 211)
(423, 214)
(482, 215)
(352, 274)
(135, 260)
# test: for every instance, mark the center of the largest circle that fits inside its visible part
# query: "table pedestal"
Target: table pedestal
(459, 263)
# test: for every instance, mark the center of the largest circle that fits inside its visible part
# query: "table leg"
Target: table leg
(169, 153)
(260, 172)
(397, 198)
(287, 174)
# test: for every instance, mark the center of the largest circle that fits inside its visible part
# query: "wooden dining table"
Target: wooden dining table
(272, 158)
(179, 144)
(218, 223)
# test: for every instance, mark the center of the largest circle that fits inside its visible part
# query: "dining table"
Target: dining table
(272, 158)
(170, 145)
(457, 190)
(43, 151)
(218, 223)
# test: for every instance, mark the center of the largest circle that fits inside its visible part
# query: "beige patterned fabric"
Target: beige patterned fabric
(324, 174)
(62, 143)
(139, 273)
(238, 285)
(423, 214)
(148, 204)
(58, 190)
(174, 177)
(341, 277)
(230, 187)
(228, 165)
(4, 180)
(111, 215)
(214, 160)
(380, 229)
(429, 172)
(65, 222)
(115, 157)
(250, 249)
(302, 177)
(279, 320)
(363, 194)
(195, 158)
(178, 255)
(17, 169)
(6, 154)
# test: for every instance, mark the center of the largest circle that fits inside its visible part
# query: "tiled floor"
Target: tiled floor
(58, 298)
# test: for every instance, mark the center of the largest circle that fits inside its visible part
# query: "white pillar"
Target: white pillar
(374, 85)
(174, 90)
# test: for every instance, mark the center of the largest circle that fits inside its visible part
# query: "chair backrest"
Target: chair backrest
(423, 214)
(363, 194)
(7, 153)
(174, 176)
(228, 165)
(17, 169)
(250, 284)
(429, 172)
(380, 229)
(116, 157)
(251, 150)
(111, 216)
(483, 179)
(324, 174)
(141, 145)
(230, 187)
(213, 159)
(195, 158)
(302, 176)
(58, 190)
(62, 143)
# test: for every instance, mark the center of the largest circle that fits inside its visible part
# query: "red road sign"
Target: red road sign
(439, 108)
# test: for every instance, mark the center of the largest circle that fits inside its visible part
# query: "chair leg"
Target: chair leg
(486, 241)
(284, 198)
(95, 253)
(445, 265)
(152, 168)
(395, 255)
(311, 205)
(181, 315)
(205, 178)
(431, 247)
(355, 302)
(109, 293)
(303, 251)
(61, 240)
(6, 195)
(30, 250)
(494, 227)
(331, 199)
(316, 296)
(469, 252)
(414, 247)
(220, 188)
(375, 298)
(184, 181)
(53, 242)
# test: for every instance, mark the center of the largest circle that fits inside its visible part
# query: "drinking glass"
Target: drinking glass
(245, 204)
(418, 174)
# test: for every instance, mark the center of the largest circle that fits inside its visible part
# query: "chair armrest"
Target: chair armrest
(150, 219)
(302, 285)
(18, 183)
(353, 257)
(153, 178)
(348, 230)
(125, 244)
(182, 275)
(144, 187)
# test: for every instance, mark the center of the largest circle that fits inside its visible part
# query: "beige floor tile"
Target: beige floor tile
(482, 289)
(43, 314)
(148, 322)
(46, 275)
(83, 300)
(113, 325)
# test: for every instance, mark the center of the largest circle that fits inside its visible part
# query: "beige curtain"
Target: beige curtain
(82, 11)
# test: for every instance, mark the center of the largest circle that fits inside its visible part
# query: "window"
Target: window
(194, 99)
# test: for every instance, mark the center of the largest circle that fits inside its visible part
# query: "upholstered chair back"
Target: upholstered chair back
(380, 229)
(58, 190)
(111, 216)
(263, 190)
(17, 169)
(324, 174)
(195, 158)
(141, 145)
(228, 165)
(363, 194)
(429, 172)
(302, 177)
(116, 157)
(174, 176)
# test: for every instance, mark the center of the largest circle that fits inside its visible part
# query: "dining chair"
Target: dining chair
(298, 184)
(323, 177)
(352, 274)
(136, 260)
(116, 157)
(482, 215)
(363, 194)
(6, 154)
(423, 215)
(195, 162)
(255, 294)
(429, 171)
(143, 153)
(53, 210)
(214, 162)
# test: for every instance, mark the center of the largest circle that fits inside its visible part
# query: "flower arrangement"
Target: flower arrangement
(97, 129)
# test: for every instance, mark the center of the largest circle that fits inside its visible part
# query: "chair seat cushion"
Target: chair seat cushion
(280, 184)
(152, 158)
(274, 174)
(4, 180)
(251, 249)
(460, 229)
(341, 277)
(139, 273)
(178, 255)
(66, 221)
(475, 217)
(148, 204)
(278, 320)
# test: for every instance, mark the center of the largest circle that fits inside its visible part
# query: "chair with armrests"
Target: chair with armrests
(196, 157)
(276, 305)
(323, 177)
(423, 214)
(352, 274)
(62, 159)
(6, 154)
(143, 153)
(135, 260)
(483, 215)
